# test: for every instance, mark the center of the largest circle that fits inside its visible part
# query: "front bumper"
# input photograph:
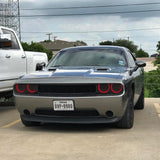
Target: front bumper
(102, 104)
(72, 120)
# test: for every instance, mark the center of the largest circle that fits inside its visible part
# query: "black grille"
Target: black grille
(81, 113)
(67, 90)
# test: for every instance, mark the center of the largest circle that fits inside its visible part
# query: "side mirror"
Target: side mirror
(5, 40)
(40, 66)
(140, 63)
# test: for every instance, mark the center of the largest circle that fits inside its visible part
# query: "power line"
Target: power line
(97, 39)
(84, 14)
(97, 6)
(96, 31)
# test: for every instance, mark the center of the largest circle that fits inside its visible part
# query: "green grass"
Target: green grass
(146, 93)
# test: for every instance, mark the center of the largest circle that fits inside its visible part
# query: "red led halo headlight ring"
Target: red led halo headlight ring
(18, 89)
(29, 90)
(116, 91)
(99, 89)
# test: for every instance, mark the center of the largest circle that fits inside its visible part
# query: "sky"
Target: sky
(82, 27)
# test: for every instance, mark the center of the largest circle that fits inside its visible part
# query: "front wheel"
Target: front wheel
(140, 103)
(128, 117)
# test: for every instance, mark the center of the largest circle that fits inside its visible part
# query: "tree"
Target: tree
(158, 45)
(141, 53)
(122, 42)
(125, 43)
(82, 42)
(106, 43)
(47, 41)
(36, 47)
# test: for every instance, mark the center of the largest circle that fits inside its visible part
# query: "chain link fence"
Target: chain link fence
(151, 78)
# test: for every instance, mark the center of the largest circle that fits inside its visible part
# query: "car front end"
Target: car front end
(60, 97)
(83, 85)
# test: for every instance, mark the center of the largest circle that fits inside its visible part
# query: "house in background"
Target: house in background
(57, 45)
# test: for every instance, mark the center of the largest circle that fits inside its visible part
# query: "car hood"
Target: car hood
(77, 75)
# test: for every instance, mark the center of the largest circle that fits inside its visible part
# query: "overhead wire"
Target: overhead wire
(94, 13)
(85, 14)
(120, 30)
(96, 6)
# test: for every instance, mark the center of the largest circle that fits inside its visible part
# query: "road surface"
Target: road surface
(82, 142)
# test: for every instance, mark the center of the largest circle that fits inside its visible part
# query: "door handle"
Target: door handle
(8, 56)
(23, 56)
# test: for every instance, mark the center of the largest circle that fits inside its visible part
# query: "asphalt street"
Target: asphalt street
(81, 142)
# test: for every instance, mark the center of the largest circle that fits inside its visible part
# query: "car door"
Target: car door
(137, 75)
(12, 60)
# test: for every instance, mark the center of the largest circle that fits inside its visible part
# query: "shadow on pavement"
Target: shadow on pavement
(69, 128)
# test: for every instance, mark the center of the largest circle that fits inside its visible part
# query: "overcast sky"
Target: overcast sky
(114, 23)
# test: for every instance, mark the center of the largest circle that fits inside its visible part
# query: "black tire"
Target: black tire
(140, 102)
(128, 118)
(29, 123)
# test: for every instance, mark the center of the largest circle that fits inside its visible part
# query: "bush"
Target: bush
(152, 83)
(141, 53)
(157, 61)
(37, 48)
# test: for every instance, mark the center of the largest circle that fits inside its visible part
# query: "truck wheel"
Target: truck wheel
(128, 117)
(29, 124)
(140, 103)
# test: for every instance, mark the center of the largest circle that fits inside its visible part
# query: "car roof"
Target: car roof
(96, 47)
(2, 27)
(6, 28)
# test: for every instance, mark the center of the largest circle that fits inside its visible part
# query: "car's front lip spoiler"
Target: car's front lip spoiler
(70, 119)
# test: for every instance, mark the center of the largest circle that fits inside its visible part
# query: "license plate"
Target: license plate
(63, 105)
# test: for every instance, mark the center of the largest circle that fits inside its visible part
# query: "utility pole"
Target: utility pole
(19, 20)
(49, 36)
(54, 38)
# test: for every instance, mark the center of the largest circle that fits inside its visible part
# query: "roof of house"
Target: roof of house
(60, 44)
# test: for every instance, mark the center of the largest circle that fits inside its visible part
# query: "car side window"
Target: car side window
(15, 44)
(131, 61)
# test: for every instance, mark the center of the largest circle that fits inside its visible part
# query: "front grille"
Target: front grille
(80, 113)
(67, 90)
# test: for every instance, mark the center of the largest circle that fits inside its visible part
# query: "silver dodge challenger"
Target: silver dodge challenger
(83, 85)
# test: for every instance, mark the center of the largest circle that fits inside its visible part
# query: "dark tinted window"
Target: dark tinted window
(90, 57)
(15, 44)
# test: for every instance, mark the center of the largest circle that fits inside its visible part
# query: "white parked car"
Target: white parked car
(14, 61)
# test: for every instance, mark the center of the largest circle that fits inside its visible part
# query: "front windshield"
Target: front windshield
(89, 57)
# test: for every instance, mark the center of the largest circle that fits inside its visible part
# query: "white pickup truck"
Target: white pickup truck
(14, 61)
